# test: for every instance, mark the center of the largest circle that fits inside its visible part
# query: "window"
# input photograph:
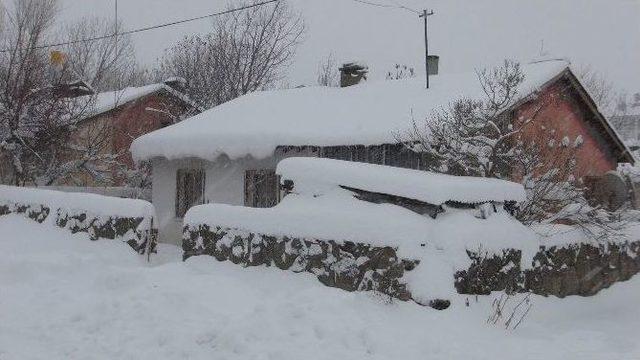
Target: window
(189, 190)
(261, 188)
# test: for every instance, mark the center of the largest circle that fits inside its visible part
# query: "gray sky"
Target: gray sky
(465, 33)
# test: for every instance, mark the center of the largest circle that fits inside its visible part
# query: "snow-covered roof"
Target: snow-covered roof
(364, 114)
(109, 100)
(312, 175)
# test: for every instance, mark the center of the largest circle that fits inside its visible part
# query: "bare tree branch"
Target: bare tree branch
(38, 114)
(328, 72)
(245, 51)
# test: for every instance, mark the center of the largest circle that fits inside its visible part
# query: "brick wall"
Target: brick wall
(125, 124)
(567, 113)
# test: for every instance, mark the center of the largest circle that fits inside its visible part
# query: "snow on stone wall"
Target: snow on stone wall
(112, 191)
(570, 269)
(128, 220)
(346, 265)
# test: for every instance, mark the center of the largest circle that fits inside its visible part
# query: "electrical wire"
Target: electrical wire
(388, 6)
(153, 27)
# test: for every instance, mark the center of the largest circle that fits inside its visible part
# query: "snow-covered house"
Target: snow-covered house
(114, 118)
(228, 154)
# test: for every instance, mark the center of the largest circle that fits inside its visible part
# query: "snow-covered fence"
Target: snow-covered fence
(128, 220)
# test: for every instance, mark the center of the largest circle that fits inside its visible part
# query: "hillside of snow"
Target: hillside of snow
(65, 297)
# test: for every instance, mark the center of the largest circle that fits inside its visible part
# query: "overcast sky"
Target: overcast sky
(465, 33)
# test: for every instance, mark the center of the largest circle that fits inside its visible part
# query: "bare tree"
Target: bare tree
(328, 72)
(626, 104)
(602, 90)
(2, 19)
(245, 51)
(488, 138)
(37, 113)
(30, 111)
(106, 64)
(476, 137)
(88, 160)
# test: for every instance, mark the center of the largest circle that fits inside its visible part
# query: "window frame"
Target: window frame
(250, 193)
(197, 187)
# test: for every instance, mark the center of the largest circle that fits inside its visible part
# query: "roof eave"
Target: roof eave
(176, 94)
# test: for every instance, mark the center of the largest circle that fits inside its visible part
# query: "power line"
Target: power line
(388, 6)
(135, 31)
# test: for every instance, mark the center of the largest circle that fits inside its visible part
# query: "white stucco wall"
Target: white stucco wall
(224, 184)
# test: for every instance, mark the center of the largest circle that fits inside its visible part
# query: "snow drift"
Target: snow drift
(66, 297)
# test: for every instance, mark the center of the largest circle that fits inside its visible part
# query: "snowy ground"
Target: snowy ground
(65, 297)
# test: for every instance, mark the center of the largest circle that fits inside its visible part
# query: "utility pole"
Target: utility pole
(115, 51)
(425, 14)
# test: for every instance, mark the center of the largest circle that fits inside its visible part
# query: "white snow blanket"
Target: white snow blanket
(313, 175)
(365, 114)
(69, 298)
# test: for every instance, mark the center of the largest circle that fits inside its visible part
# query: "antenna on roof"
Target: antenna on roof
(542, 52)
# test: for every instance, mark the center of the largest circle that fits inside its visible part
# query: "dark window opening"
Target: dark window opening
(189, 190)
(261, 188)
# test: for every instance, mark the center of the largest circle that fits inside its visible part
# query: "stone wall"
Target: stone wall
(574, 269)
(136, 232)
(346, 265)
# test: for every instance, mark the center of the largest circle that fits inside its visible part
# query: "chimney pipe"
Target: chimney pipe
(352, 73)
